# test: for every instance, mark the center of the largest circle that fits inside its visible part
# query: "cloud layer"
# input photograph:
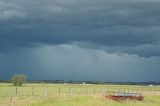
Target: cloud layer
(69, 62)
(127, 26)
(109, 40)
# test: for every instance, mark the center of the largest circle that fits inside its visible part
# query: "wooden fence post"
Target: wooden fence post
(69, 91)
(11, 98)
(33, 91)
(94, 90)
(59, 91)
(16, 91)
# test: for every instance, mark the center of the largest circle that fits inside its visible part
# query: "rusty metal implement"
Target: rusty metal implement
(120, 96)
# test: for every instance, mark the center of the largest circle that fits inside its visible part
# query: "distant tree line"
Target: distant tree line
(20, 79)
(93, 82)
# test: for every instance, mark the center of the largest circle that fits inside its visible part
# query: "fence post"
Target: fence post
(46, 93)
(86, 91)
(94, 90)
(59, 91)
(103, 91)
(16, 90)
(33, 91)
(69, 91)
(11, 98)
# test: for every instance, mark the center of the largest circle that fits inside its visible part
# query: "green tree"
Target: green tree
(18, 79)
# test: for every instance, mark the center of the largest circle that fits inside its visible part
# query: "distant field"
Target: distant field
(73, 95)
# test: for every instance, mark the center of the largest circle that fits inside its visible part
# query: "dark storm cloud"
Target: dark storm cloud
(70, 62)
(126, 26)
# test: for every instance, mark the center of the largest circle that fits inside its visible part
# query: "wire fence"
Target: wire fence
(49, 91)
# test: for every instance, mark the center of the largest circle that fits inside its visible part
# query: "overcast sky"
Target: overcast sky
(96, 40)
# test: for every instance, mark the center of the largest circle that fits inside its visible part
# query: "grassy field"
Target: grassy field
(73, 95)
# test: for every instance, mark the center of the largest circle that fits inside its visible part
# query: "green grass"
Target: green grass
(74, 95)
(92, 101)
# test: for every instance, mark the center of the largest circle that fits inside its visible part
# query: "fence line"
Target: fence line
(68, 90)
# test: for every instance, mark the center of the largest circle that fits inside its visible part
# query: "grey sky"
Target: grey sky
(80, 40)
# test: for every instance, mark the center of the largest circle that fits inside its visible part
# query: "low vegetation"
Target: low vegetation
(18, 79)
(73, 95)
